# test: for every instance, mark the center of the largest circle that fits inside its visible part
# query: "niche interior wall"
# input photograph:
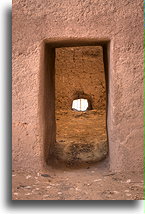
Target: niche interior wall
(36, 23)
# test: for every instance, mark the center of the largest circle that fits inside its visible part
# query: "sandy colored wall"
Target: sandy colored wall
(80, 70)
(120, 22)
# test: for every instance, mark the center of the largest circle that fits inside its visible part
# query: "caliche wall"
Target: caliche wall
(61, 23)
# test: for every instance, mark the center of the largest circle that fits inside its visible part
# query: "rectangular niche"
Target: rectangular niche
(75, 103)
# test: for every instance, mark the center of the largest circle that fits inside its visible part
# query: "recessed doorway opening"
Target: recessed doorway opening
(75, 105)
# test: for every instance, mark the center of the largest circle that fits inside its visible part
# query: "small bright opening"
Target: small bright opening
(80, 104)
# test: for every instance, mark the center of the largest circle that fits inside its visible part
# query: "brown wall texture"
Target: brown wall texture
(61, 23)
(80, 70)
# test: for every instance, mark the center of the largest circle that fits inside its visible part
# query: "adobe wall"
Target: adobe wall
(81, 137)
(121, 23)
(79, 70)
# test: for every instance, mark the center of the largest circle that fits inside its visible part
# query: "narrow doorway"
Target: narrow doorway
(80, 105)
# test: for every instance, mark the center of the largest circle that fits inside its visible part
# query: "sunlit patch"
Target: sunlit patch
(80, 104)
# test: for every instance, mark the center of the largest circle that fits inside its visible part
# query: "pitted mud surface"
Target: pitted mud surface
(81, 136)
(77, 184)
(78, 125)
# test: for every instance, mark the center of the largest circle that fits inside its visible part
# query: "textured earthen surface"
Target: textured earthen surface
(80, 136)
(61, 23)
(80, 70)
(86, 184)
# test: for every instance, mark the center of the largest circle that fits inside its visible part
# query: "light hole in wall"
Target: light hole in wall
(80, 104)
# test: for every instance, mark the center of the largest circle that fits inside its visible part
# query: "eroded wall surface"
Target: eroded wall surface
(80, 136)
(80, 70)
(121, 22)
